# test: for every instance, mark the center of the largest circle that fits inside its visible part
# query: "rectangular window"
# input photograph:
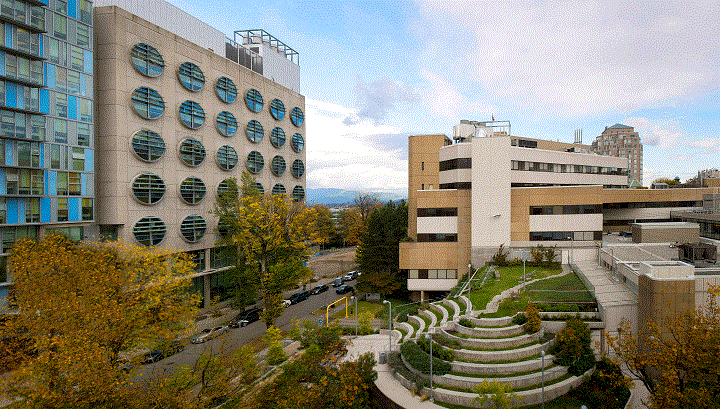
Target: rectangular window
(61, 131)
(20, 11)
(8, 123)
(11, 181)
(35, 159)
(85, 109)
(10, 65)
(37, 127)
(423, 274)
(83, 35)
(83, 134)
(85, 11)
(32, 210)
(57, 51)
(73, 82)
(7, 9)
(55, 156)
(36, 72)
(61, 6)
(23, 150)
(61, 104)
(19, 125)
(37, 182)
(62, 210)
(78, 159)
(61, 79)
(3, 211)
(62, 183)
(74, 183)
(22, 40)
(60, 26)
(37, 17)
(77, 58)
(87, 209)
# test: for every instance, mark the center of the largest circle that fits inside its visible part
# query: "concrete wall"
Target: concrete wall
(490, 192)
(643, 233)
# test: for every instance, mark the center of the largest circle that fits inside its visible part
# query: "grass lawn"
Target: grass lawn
(509, 277)
(363, 306)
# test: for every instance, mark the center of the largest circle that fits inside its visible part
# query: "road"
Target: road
(238, 337)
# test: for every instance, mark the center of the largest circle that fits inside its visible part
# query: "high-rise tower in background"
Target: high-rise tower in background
(623, 141)
(46, 115)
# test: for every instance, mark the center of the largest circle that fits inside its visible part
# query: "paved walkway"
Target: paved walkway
(386, 382)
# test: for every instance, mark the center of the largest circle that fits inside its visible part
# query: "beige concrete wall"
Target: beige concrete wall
(643, 234)
(116, 32)
(423, 170)
(664, 300)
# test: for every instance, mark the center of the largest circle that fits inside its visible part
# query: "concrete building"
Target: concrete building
(485, 188)
(185, 109)
(46, 114)
(623, 141)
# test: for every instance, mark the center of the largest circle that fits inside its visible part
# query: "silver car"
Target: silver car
(208, 334)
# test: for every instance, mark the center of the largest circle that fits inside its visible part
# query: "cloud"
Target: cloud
(665, 134)
(355, 155)
(575, 58)
(374, 100)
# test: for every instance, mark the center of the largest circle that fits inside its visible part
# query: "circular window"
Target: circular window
(278, 165)
(193, 228)
(227, 158)
(147, 103)
(148, 188)
(226, 123)
(298, 143)
(227, 187)
(298, 193)
(148, 145)
(192, 152)
(254, 131)
(297, 117)
(254, 100)
(192, 190)
(147, 60)
(223, 228)
(149, 231)
(192, 114)
(191, 76)
(255, 162)
(277, 137)
(298, 168)
(277, 109)
(260, 188)
(278, 189)
(226, 89)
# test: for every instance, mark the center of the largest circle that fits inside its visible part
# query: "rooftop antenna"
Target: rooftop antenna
(578, 136)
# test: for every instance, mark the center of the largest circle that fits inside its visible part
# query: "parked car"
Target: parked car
(246, 317)
(208, 334)
(159, 353)
(173, 348)
(344, 289)
(338, 282)
(350, 276)
(152, 357)
(298, 297)
(319, 289)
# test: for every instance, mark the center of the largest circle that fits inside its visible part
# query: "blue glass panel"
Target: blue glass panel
(50, 75)
(21, 211)
(10, 94)
(88, 61)
(40, 53)
(82, 84)
(12, 209)
(42, 155)
(2, 63)
(8, 35)
(3, 187)
(83, 182)
(20, 103)
(8, 154)
(45, 207)
(89, 161)
(72, 107)
(72, 8)
(44, 101)
(74, 209)
(51, 185)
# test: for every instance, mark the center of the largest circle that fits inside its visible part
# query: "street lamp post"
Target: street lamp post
(356, 317)
(542, 356)
(429, 336)
(389, 324)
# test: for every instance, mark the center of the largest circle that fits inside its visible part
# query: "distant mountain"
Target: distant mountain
(332, 196)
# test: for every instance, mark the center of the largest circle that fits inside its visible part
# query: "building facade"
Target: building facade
(485, 188)
(622, 141)
(179, 120)
(46, 112)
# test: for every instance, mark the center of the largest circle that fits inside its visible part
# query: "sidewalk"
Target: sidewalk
(386, 382)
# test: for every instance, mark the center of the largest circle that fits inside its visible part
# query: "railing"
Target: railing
(243, 56)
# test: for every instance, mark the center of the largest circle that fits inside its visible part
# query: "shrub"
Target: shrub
(549, 255)
(438, 351)
(465, 322)
(533, 323)
(396, 363)
(538, 254)
(443, 340)
(519, 319)
(607, 388)
(420, 360)
(572, 347)
(500, 258)
(364, 326)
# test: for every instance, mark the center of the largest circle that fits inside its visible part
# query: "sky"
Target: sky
(374, 72)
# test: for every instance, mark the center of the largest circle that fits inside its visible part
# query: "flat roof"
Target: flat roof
(666, 225)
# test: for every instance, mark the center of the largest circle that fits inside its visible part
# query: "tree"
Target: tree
(678, 360)
(671, 182)
(500, 394)
(81, 305)
(378, 253)
(533, 323)
(325, 224)
(572, 347)
(365, 203)
(267, 231)
(351, 225)
(538, 254)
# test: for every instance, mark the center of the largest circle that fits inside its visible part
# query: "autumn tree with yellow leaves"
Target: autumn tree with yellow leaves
(270, 235)
(78, 307)
(677, 360)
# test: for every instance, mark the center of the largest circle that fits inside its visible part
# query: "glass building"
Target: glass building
(46, 122)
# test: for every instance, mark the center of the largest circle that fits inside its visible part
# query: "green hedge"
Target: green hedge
(396, 363)
(438, 351)
(445, 341)
(465, 322)
(420, 360)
